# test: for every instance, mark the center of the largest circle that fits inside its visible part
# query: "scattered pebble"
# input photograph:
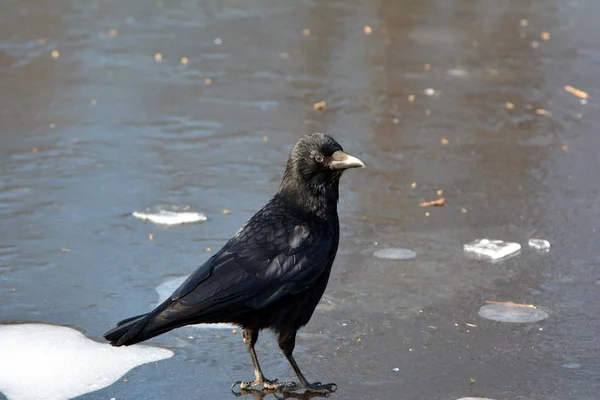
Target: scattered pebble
(158, 57)
(510, 312)
(430, 92)
(218, 41)
(427, 67)
(395, 254)
(545, 36)
(306, 32)
(535, 44)
(150, 237)
(440, 192)
(509, 105)
(207, 81)
(93, 102)
(433, 203)
(320, 106)
(576, 92)
(226, 212)
(65, 250)
(539, 244)
(411, 98)
(413, 185)
(48, 362)
(172, 215)
(184, 61)
(571, 365)
(113, 32)
(492, 249)
(368, 30)
(444, 141)
(523, 22)
(396, 369)
(541, 111)
(55, 54)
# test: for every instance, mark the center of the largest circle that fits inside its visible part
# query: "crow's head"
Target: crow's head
(315, 166)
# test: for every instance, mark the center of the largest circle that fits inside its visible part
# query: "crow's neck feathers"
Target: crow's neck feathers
(314, 192)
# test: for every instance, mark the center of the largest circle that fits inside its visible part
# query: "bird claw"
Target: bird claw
(265, 383)
(322, 387)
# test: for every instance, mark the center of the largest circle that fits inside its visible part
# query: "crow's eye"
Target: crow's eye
(319, 158)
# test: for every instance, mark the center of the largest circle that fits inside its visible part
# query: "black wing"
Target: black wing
(258, 266)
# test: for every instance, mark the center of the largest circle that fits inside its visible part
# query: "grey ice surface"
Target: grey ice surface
(103, 129)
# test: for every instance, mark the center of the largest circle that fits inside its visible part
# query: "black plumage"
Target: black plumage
(273, 271)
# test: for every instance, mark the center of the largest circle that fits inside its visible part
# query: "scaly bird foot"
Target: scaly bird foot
(265, 383)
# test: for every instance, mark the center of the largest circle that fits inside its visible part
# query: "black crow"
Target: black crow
(272, 272)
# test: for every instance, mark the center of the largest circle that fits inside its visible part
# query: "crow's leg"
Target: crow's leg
(250, 337)
(287, 342)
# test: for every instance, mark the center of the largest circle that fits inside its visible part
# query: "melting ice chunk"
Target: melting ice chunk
(475, 398)
(170, 215)
(493, 249)
(516, 313)
(539, 244)
(167, 288)
(395, 254)
(56, 362)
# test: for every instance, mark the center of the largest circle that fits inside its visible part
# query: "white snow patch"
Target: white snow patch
(395, 254)
(170, 215)
(167, 288)
(52, 362)
(493, 249)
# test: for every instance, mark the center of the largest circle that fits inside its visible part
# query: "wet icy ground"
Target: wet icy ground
(113, 107)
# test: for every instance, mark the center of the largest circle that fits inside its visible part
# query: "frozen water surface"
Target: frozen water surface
(492, 249)
(55, 362)
(167, 288)
(170, 215)
(512, 313)
(395, 254)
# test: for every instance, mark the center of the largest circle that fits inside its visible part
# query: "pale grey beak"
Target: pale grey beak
(341, 160)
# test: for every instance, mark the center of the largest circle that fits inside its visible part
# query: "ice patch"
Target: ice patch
(395, 254)
(52, 362)
(514, 313)
(492, 249)
(475, 398)
(167, 288)
(539, 244)
(170, 215)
